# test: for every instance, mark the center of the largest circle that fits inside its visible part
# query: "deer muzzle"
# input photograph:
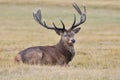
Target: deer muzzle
(72, 41)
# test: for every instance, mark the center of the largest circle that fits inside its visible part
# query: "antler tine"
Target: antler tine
(63, 24)
(55, 25)
(35, 17)
(38, 17)
(77, 8)
(83, 16)
(73, 21)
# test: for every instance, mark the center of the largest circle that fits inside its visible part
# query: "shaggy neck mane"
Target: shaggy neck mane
(67, 51)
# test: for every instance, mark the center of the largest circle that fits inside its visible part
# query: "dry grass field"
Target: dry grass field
(97, 47)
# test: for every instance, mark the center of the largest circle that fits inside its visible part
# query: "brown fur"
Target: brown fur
(57, 54)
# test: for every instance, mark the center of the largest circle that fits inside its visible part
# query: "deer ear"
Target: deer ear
(76, 30)
(59, 32)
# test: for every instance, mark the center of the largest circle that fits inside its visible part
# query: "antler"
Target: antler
(82, 19)
(37, 16)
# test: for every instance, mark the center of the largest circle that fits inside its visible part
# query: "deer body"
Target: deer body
(61, 53)
(57, 54)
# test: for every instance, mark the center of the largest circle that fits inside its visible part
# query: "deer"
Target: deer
(59, 54)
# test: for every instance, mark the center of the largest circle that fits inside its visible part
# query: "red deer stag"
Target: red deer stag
(61, 53)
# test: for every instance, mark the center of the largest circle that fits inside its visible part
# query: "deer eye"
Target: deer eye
(66, 35)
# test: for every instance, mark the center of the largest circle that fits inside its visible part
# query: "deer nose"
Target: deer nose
(73, 40)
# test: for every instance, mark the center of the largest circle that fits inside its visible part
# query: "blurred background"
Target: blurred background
(97, 47)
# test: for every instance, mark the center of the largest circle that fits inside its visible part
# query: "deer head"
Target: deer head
(67, 36)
